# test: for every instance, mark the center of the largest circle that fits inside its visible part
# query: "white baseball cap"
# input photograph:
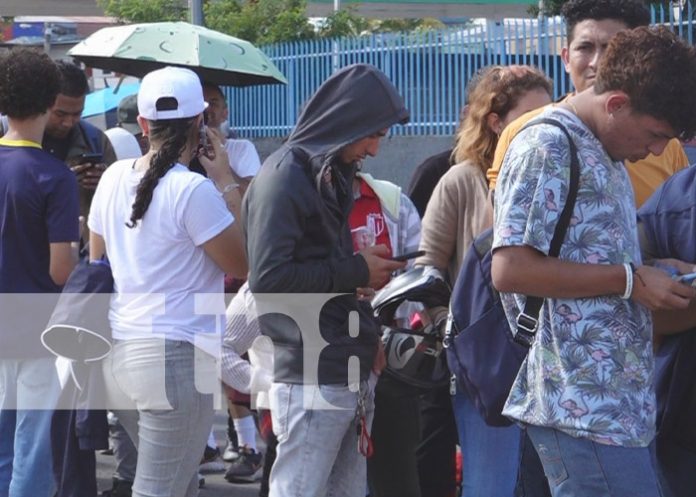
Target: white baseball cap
(181, 85)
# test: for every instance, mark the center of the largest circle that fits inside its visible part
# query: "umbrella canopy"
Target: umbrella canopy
(137, 49)
(106, 99)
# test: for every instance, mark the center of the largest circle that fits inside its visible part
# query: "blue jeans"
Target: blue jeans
(490, 454)
(29, 391)
(317, 453)
(578, 467)
(170, 419)
(531, 481)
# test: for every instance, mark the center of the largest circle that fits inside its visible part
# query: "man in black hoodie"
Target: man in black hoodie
(308, 282)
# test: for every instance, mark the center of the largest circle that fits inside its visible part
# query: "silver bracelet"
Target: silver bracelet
(229, 188)
(629, 281)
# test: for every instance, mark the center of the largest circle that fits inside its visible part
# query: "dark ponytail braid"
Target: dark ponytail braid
(172, 134)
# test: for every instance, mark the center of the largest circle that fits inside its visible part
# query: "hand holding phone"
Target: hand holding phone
(88, 169)
(379, 266)
(408, 256)
(687, 279)
(204, 145)
(90, 158)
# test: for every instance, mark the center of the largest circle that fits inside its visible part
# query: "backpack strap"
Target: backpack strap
(483, 245)
(528, 319)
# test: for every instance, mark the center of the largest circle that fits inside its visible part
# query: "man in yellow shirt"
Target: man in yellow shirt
(590, 25)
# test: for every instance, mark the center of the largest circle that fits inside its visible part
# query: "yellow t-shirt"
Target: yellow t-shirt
(646, 175)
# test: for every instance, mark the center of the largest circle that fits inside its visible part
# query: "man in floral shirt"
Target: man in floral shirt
(585, 392)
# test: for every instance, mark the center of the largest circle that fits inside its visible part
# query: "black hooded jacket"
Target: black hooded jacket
(298, 239)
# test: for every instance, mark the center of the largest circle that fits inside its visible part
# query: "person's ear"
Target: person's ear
(144, 125)
(565, 57)
(616, 101)
(495, 123)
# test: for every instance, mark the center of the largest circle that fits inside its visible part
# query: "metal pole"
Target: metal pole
(542, 27)
(335, 60)
(196, 12)
(48, 32)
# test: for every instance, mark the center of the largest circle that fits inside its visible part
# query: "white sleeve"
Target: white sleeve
(243, 157)
(94, 218)
(241, 331)
(205, 214)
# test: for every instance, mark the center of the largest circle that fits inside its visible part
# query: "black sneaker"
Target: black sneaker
(119, 488)
(248, 468)
(211, 462)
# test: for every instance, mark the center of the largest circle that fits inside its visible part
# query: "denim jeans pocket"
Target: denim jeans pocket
(551, 458)
(143, 370)
(37, 374)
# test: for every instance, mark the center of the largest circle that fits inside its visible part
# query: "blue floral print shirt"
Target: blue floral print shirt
(590, 371)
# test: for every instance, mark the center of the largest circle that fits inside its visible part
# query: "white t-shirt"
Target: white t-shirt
(244, 158)
(159, 266)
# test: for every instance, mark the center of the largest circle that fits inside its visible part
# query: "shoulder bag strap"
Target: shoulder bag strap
(528, 320)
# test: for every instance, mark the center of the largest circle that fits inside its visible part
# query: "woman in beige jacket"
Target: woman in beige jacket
(457, 212)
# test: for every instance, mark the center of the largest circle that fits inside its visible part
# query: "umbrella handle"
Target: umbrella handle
(118, 85)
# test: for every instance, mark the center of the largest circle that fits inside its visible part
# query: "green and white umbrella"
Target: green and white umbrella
(137, 49)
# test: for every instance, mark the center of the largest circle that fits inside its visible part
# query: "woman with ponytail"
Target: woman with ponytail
(170, 235)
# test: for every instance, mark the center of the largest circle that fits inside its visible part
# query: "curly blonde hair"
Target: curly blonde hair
(497, 89)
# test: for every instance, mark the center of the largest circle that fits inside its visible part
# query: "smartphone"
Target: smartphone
(204, 146)
(687, 279)
(92, 158)
(202, 137)
(410, 255)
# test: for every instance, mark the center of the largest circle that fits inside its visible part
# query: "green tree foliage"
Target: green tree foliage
(344, 23)
(146, 10)
(551, 8)
(407, 25)
(262, 21)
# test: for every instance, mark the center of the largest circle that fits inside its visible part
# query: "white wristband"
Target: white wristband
(229, 188)
(629, 281)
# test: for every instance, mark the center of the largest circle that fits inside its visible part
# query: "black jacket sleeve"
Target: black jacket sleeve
(287, 250)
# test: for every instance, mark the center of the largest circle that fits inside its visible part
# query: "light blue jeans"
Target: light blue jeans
(578, 467)
(170, 419)
(317, 452)
(490, 455)
(29, 391)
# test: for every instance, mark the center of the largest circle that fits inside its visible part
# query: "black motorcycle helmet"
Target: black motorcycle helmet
(415, 357)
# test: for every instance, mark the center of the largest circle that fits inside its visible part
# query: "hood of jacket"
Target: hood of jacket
(355, 102)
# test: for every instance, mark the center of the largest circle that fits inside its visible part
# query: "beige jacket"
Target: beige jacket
(456, 213)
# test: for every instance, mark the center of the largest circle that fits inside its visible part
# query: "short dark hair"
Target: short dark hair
(657, 70)
(73, 82)
(212, 86)
(29, 83)
(632, 13)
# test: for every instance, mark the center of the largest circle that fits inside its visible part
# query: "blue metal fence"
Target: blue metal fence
(430, 69)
